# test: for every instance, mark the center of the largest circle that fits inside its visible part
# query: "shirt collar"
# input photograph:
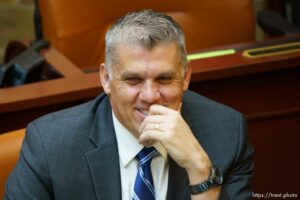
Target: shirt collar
(129, 146)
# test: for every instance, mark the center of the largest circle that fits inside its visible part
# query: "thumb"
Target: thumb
(148, 138)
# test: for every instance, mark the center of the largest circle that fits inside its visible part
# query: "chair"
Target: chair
(77, 28)
(10, 144)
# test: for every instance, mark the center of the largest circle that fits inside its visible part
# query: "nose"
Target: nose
(149, 93)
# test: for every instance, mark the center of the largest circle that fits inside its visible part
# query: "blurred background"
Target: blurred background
(16, 22)
(16, 18)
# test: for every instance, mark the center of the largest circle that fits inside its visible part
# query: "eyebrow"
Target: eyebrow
(173, 73)
(129, 74)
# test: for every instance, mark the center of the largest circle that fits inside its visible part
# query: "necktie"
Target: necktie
(143, 186)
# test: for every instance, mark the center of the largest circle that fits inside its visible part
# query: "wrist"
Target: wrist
(199, 172)
(215, 179)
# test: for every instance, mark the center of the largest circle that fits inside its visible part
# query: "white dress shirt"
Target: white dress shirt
(129, 147)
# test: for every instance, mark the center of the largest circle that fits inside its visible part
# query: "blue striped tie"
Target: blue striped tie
(143, 186)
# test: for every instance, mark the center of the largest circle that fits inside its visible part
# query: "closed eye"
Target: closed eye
(132, 80)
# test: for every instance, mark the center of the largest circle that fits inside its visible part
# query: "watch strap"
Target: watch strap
(214, 179)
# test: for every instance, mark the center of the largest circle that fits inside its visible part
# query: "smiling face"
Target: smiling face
(141, 78)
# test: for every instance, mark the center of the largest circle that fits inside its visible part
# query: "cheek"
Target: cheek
(171, 95)
(125, 94)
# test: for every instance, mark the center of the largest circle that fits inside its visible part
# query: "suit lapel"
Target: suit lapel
(103, 161)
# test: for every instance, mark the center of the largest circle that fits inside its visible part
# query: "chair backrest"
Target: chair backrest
(77, 28)
(10, 145)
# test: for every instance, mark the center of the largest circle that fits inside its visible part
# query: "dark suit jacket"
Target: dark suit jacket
(73, 154)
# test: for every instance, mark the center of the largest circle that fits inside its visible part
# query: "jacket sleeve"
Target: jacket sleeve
(237, 183)
(30, 178)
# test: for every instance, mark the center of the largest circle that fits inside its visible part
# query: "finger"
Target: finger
(150, 136)
(159, 110)
(148, 143)
(154, 126)
(150, 127)
(152, 119)
(155, 119)
(160, 127)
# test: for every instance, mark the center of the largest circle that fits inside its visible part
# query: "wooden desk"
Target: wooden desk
(266, 90)
(20, 105)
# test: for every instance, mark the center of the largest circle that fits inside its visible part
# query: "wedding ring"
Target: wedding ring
(156, 126)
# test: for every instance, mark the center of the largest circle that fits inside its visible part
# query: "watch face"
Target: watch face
(218, 176)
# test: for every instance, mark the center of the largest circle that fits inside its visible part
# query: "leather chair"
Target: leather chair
(77, 28)
(10, 145)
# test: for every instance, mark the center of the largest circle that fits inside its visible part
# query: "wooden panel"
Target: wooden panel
(277, 150)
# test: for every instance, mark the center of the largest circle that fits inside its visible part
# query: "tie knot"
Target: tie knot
(145, 155)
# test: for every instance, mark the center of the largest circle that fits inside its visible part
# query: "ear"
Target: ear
(104, 78)
(187, 76)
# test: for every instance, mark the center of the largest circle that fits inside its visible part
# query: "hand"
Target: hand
(167, 126)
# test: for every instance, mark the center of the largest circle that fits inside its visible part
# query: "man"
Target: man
(93, 151)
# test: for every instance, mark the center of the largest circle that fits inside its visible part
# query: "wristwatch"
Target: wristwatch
(214, 179)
